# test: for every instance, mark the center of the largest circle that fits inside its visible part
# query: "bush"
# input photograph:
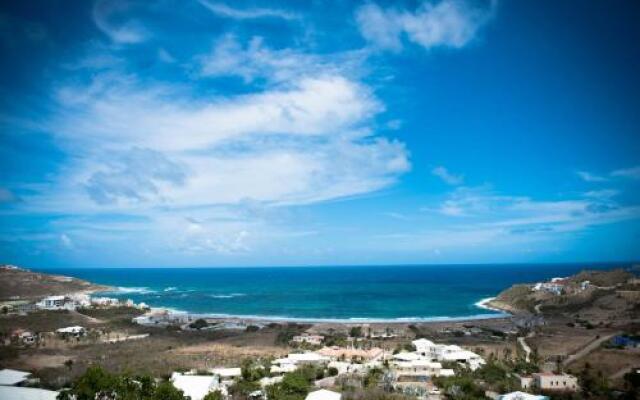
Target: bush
(198, 324)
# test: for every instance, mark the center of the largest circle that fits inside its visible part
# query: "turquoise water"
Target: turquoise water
(325, 293)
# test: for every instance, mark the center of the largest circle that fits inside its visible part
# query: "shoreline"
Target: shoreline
(482, 304)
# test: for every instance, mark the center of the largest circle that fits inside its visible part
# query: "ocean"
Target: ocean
(356, 293)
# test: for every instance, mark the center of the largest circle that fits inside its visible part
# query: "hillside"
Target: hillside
(596, 295)
(18, 283)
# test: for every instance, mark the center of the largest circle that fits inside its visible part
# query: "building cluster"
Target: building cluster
(66, 302)
(558, 286)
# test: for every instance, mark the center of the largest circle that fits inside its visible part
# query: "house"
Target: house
(197, 386)
(26, 337)
(53, 303)
(521, 396)
(291, 362)
(441, 352)
(26, 393)
(549, 381)
(12, 377)
(324, 394)
(227, 373)
(72, 331)
(343, 353)
(307, 338)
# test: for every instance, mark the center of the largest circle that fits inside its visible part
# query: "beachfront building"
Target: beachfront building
(521, 396)
(197, 386)
(315, 340)
(549, 381)
(324, 394)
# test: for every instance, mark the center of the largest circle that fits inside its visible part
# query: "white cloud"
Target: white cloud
(304, 142)
(589, 177)
(129, 31)
(448, 177)
(257, 61)
(632, 173)
(66, 241)
(226, 11)
(448, 23)
(486, 208)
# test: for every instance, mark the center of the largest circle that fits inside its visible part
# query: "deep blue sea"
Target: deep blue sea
(318, 293)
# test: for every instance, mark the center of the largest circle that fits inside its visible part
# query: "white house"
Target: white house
(227, 373)
(521, 396)
(197, 386)
(292, 361)
(307, 338)
(52, 303)
(26, 393)
(75, 331)
(323, 394)
(441, 352)
(10, 377)
(550, 381)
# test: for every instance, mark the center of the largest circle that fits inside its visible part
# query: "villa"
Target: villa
(441, 352)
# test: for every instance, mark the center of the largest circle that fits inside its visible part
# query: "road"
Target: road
(588, 348)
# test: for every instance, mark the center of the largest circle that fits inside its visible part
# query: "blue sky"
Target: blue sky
(206, 133)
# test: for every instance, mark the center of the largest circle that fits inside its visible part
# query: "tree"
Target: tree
(166, 391)
(355, 332)
(217, 395)
(198, 324)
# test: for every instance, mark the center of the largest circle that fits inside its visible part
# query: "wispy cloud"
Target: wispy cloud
(255, 61)
(626, 173)
(589, 177)
(448, 177)
(224, 10)
(127, 31)
(447, 23)
(632, 173)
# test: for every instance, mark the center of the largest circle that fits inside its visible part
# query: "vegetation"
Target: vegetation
(96, 383)
(198, 324)
(295, 385)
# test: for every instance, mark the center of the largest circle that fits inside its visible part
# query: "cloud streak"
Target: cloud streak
(226, 11)
(447, 23)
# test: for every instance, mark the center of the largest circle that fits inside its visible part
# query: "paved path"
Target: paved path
(588, 348)
(525, 347)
